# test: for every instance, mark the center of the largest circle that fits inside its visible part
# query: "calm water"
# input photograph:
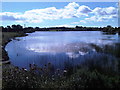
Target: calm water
(62, 49)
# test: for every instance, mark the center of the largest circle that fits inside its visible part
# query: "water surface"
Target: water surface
(63, 49)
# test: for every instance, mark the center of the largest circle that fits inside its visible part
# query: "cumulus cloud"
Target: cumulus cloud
(103, 14)
(99, 14)
(72, 10)
(100, 18)
(39, 15)
(93, 18)
(72, 5)
(96, 19)
(83, 10)
(11, 16)
(105, 11)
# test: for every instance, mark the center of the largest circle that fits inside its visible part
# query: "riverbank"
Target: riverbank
(6, 38)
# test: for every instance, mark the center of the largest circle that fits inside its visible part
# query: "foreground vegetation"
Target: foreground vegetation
(13, 77)
(5, 38)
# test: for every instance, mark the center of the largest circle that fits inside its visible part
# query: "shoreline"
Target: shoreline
(18, 34)
(5, 57)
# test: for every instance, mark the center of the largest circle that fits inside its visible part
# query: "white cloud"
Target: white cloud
(105, 11)
(102, 14)
(100, 18)
(96, 19)
(11, 16)
(70, 11)
(93, 18)
(50, 13)
(38, 15)
(72, 5)
(83, 11)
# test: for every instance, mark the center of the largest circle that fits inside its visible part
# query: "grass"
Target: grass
(0, 60)
(6, 37)
(0, 46)
(14, 77)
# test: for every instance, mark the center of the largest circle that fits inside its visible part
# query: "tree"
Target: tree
(108, 26)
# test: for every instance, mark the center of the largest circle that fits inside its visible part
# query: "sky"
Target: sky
(57, 14)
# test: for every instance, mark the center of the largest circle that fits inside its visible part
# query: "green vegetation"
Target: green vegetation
(13, 77)
(6, 37)
(18, 28)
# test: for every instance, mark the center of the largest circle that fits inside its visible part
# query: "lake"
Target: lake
(65, 49)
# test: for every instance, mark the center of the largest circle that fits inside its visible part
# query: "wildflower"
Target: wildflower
(65, 71)
(25, 69)
(26, 77)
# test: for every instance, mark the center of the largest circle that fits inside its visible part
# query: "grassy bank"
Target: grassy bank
(6, 37)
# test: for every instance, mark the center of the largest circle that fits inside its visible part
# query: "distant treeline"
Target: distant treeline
(19, 28)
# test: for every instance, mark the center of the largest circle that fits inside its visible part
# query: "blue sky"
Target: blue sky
(50, 14)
